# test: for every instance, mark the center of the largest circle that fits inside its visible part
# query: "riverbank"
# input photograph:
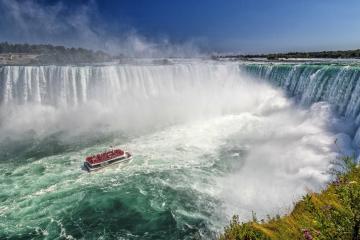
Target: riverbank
(333, 213)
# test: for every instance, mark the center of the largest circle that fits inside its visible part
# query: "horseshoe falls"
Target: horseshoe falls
(210, 139)
(336, 84)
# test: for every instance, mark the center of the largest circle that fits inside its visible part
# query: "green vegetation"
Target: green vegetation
(49, 54)
(322, 54)
(333, 213)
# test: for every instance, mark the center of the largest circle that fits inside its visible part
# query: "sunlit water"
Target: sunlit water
(208, 142)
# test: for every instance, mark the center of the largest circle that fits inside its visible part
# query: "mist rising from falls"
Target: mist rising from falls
(122, 97)
(208, 142)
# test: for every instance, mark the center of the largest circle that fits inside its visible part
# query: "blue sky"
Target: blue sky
(244, 26)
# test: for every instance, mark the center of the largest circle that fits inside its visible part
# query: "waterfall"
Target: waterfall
(73, 85)
(196, 129)
(185, 88)
(336, 84)
(128, 97)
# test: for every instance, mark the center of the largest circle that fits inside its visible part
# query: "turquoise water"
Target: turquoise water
(52, 197)
(164, 193)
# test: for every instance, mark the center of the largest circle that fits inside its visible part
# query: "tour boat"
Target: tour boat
(105, 159)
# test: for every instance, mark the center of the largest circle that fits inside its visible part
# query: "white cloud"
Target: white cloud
(29, 21)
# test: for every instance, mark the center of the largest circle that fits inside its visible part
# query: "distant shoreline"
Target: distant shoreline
(40, 54)
(347, 54)
(46, 54)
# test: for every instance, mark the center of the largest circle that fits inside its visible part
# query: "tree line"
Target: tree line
(322, 54)
(49, 54)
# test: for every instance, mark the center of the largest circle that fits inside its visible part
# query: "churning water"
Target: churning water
(208, 142)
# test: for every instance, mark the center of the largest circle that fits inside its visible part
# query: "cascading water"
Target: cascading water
(207, 141)
(337, 84)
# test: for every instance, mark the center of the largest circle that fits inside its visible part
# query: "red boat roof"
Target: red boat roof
(105, 156)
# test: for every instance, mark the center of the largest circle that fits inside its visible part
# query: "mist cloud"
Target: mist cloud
(81, 26)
